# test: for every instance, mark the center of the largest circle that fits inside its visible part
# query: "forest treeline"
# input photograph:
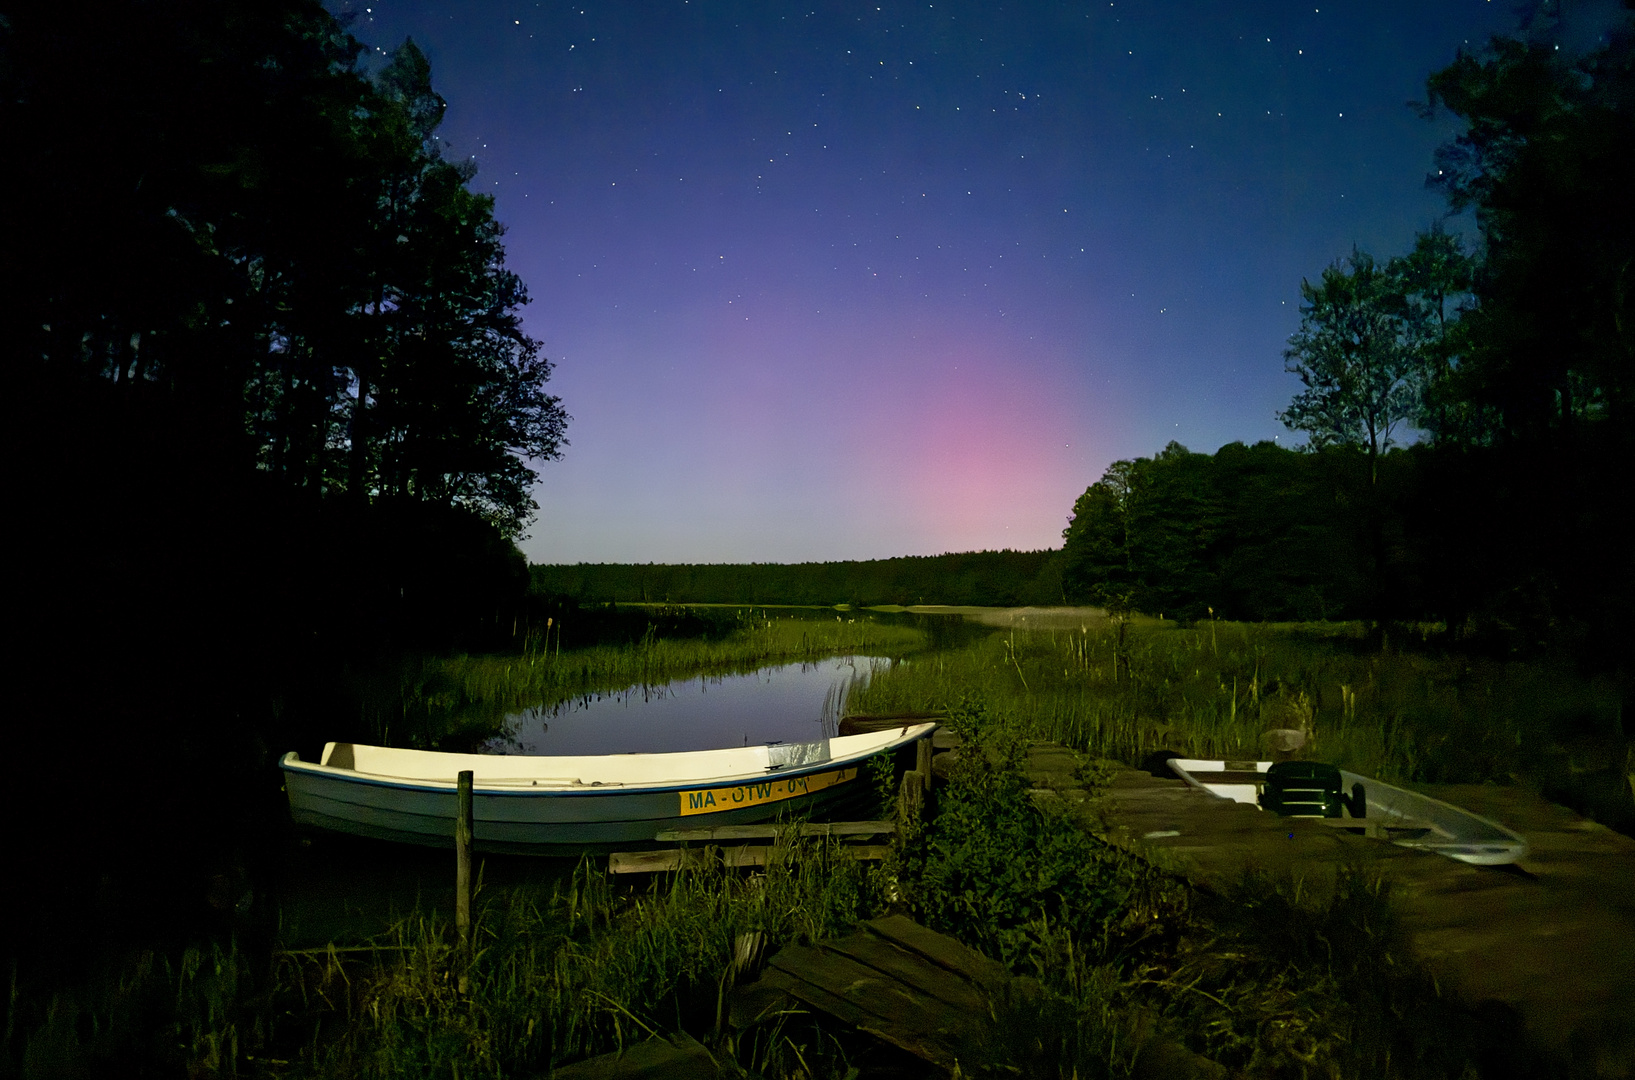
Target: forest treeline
(1511, 366)
(986, 578)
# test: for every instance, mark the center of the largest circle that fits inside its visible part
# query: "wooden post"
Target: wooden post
(922, 761)
(910, 802)
(462, 860)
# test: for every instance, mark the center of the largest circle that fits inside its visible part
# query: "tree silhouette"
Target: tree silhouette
(1432, 284)
(226, 212)
(449, 403)
(1359, 372)
(1547, 162)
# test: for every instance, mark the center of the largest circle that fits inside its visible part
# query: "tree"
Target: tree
(1098, 561)
(1431, 286)
(449, 404)
(1360, 374)
(1545, 379)
(1547, 162)
(1258, 532)
(225, 217)
(1139, 536)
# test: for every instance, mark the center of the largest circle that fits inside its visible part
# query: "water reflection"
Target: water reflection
(791, 703)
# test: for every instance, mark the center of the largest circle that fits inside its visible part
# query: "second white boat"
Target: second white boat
(1376, 808)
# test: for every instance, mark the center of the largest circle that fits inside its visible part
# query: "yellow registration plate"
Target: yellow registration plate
(714, 800)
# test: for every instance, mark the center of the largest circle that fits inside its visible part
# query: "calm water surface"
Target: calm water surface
(792, 703)
(343, 888)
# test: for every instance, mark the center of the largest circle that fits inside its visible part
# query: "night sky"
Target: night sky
(862, 280)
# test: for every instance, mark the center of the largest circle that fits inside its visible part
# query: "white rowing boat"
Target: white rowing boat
(1388, 812)
(561, 805)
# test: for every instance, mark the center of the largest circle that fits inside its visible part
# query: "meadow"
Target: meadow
(1409, 712)
(1120, 961)
(1124, 960)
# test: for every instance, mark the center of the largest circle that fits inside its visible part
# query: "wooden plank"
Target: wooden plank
(653, 862)
(679, 1058)
(856, 724)
(768, 832)
(912, 969)
(848, 1012)
(1377, 828)
(1556, 943)
(941, 950)
(1237, 776)
(870, 991)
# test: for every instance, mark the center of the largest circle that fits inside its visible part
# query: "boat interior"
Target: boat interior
(1388, 812)
(611, 770)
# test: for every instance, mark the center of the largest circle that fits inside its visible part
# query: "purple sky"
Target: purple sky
(862, 280)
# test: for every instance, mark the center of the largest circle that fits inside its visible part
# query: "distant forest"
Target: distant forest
(983, 578)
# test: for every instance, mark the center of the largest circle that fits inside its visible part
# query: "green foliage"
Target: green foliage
(1353, 355)
(995, 868)
(579, 972)
(194, 1013)
(1085, 1024)
(589, 971)
(1514, 363)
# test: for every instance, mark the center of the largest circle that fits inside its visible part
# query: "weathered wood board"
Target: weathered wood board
(678, 1058)
(665, 859)
(769, 832)
(916, 989)
(860, 724)
(1552, 938)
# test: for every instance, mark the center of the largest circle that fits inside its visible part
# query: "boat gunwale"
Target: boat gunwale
(292, 762)
(1473, 852)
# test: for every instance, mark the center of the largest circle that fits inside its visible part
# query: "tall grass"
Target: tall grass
(1212, 691)
(1122, 964)
(468, 695)
(553, 978)
(588, 971)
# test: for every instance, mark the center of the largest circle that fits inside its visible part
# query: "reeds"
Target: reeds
(1211, 691)
(435, 697)
(556, 977)
(587, 970)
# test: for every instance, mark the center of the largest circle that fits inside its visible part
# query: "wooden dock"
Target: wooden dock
(1550, 939)
(921, 991)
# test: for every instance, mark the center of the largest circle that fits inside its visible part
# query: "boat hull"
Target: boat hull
(1407, 818)
(570, 822)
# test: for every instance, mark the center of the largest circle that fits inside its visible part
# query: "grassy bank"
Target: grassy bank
(1123, 965)
(554, 977)
(1126, 962)
(1214, 689)
(452, 700)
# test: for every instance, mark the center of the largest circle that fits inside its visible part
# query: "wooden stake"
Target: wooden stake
(462, 860)
(922, 761)
(910, 801)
